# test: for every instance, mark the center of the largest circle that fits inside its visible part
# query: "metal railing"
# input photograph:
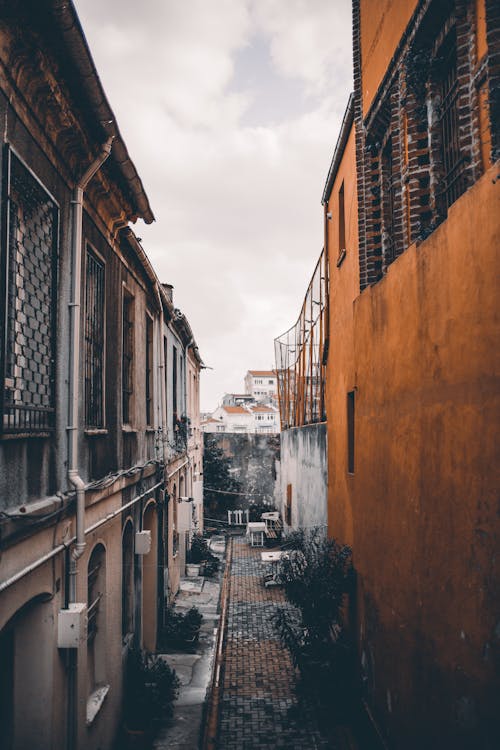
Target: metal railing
(301, 355)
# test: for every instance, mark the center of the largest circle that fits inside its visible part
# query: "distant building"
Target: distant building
(262, 385)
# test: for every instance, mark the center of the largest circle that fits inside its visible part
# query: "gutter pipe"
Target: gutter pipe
(74, 368)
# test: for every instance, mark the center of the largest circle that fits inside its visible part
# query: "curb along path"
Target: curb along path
(257, 704)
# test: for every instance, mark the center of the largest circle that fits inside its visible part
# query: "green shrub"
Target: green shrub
(151, 688)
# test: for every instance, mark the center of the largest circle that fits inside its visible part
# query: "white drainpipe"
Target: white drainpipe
(74, 367)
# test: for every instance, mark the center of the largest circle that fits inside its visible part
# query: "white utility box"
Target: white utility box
(72, 626)
(142, 542)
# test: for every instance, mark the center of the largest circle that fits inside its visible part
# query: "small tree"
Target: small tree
(316, 575)
(217, 479)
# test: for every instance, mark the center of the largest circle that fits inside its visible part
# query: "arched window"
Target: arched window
(175, 527)
(128, 579)
(96, 612)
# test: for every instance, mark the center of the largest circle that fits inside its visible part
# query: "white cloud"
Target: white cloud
(239, 221)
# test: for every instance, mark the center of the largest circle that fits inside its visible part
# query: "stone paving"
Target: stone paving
(258, 708)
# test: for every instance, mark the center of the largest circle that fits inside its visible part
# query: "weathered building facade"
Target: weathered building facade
(412, 228)
(86, 536)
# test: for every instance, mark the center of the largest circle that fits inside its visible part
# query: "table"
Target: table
(273, 557)
(256, 531)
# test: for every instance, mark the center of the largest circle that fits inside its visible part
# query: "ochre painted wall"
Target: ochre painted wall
(383, 23)
(421, 349)
(344, 288)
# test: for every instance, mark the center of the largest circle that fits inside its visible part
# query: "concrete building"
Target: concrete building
(261, 385)
(86, 494)
(411, 230)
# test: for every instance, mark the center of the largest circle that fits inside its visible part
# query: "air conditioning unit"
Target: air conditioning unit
(142, 542)
(72, 626)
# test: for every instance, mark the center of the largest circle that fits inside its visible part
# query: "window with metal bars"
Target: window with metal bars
(29, 281)
(387, 202)
(94, 342)
(96, 596)
(453, 162)
(149, 369)
(127, 356)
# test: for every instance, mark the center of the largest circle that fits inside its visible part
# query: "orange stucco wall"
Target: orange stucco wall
(383, 23)
(344, 288)
(421, 349)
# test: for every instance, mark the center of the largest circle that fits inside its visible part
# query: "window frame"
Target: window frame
(91, 251)
(27, 428)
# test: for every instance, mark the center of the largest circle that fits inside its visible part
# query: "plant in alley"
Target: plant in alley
(316, 574)
(182, 628)
(218, 480)
(151, 688)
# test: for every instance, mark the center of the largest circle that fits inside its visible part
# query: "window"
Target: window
(149, 369)
(174, 387)
(387, 202)
(175, 531)
(350, 431)
(288, 508)
(341, 219)
(29, 269)
(94, 341)
(452, 158)
(127, 357)
(271, 382)
(128, 580)
(96, 635)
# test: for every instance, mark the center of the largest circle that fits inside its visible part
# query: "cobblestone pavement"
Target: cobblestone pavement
(258, 707)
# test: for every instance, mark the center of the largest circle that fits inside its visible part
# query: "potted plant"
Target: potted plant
(150, 690)
(182, 629)
(199, 554)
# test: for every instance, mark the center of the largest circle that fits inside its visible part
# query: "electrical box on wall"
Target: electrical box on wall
(72, 626)
(142, 542)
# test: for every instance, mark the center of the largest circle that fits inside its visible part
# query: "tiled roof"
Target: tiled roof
(261, 407)
(235, 409)
(263, 373)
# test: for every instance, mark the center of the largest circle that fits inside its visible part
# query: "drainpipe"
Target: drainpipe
(74, 368)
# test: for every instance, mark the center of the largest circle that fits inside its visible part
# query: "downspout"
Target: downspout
(74, 367)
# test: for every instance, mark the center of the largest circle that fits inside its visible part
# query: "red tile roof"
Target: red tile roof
(235, 410)
(263, 373)
(261, 407)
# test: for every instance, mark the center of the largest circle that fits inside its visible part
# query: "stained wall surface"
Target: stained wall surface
(419, 349)
(303, 466)
(382, 26)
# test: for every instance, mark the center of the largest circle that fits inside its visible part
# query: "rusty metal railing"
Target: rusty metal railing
(301, 355)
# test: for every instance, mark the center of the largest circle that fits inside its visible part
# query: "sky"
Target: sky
(230, 110)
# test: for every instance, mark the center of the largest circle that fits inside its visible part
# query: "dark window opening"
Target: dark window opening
(149, 370)
(94, 342)
(453, 163)
(29, 270)
(288, 508)
(174, 387)
(387, 200)
(341, 219)
(127, 357)
(350, 431)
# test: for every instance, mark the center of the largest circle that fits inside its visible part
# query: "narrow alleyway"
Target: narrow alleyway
(258, 707)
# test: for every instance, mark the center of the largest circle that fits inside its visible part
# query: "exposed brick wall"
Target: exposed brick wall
(403, 131)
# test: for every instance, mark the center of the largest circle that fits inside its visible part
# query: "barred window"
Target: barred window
(127, 356)
(94, 342)
(29, 270)
(149, 370)
(453, 163)
(96, 632)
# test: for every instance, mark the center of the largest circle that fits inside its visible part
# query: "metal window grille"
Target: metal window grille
(127, 356)
(29, 269)
(387, 198)
(94, 342)
(454, 176)
(94, 598)
(149, 370)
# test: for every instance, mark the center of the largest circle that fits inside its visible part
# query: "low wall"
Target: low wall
(303, 466)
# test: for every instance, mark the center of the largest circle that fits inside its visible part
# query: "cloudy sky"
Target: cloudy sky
(230, 110)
